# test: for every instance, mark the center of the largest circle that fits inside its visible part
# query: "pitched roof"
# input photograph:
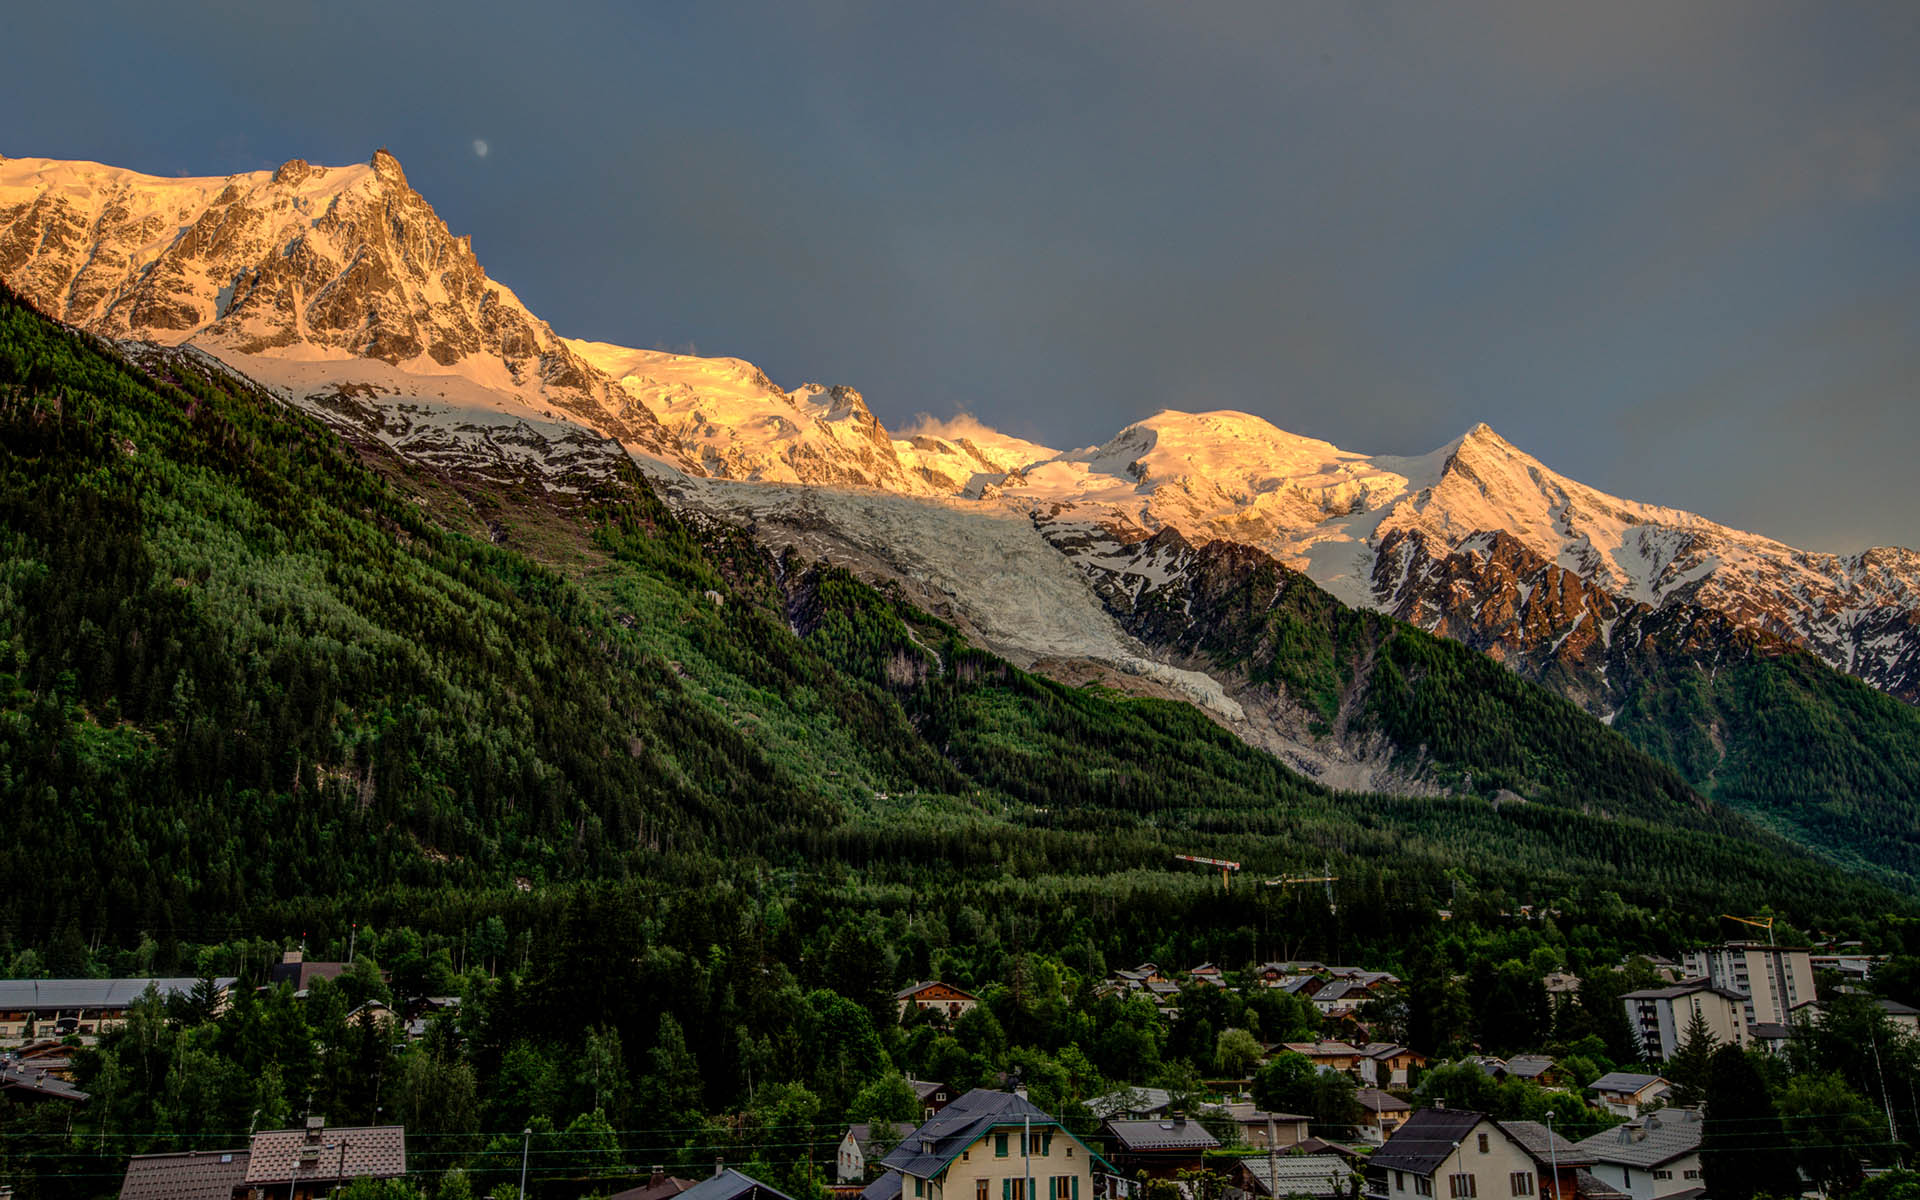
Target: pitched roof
(190, 1175)
(1134, 1136)
(665, 1189)
(887, 1187)
(1130, 1100)
(730, 1184)
(1246, 1112)
(34, 1078)
(1623, 1081)
(91, 993)
(1426, 1139)
(1529, 1066)
(924, 1088)
(346, 1152)
(1375, 1100)
(1543, 1145)
(926, 1151)
(908, 992)
(1299, 1174)
(1649, 1142)
(862, 1134)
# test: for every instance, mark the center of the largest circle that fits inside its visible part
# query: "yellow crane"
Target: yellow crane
(1226, 865)
(1765, 923)
(1286, 881)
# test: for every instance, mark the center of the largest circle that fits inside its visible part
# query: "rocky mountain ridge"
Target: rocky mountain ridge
(342, 288)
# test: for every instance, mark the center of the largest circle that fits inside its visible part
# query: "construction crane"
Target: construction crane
(1286, 881)
(1764, 923)
(1227, 866)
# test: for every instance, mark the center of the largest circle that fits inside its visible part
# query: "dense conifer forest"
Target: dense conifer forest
(674, 818)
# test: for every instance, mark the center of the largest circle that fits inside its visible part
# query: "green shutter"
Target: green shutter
(1000, 1150)
(1076, 1187)
(1006, 1189)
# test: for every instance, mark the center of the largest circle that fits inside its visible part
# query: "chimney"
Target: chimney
(659, 1177)
(719, 1165)
(1441, 1103)
(315, 1127)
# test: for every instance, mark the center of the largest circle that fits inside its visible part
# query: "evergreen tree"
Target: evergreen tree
(1691, 1061)
(1743, 1144)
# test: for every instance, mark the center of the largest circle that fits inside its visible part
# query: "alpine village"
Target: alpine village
(444, 756)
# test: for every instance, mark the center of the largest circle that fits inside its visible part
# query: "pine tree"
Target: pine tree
(1743, 1144)
(1688, 1067)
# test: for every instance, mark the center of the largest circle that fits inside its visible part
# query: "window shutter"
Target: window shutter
(1076, 1187)
(1006, 1189)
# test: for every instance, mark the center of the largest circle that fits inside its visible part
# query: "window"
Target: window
(999, 1145)
(919, 1187)
(1663, 1174)
(1521, 1183)
(1422, 1186)
(1399, 1181)
(1690, 1174)
(1063, 1187)
(1483, 1143)
(979, 1189)
(1462, 1186)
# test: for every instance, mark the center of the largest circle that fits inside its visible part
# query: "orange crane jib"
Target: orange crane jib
(1226, 866)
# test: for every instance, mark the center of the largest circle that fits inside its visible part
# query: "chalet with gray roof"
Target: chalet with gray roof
(1381, 1114)
(86, 1007)
(1389, 1065)
(1455, 1152)
(30, 1080)
(863, 1145)
(931, 995)
(729, 1184)
(1261, 1128)
(989, 1145)
(1295, 1176)
(1133, 1102)
(1625, 1093)
(1650, 1159)
(1161, 1149)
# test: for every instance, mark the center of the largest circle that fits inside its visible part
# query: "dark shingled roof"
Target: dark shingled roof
(192, 1175)
(1652, 1141)
(732, 1185)
(928, 1149)
(34, 1079)
(1162, 1135)
(1622, 1081)
(1545, 1146)
(887, 1187)
(346, 1152)
(38, 994)
(1425, 1140)
(671, 1185)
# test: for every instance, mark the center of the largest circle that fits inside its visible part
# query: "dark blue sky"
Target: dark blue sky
(1673, 250)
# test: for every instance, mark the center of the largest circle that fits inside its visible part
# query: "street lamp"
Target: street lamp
(1553, 1156)
(526, 1140)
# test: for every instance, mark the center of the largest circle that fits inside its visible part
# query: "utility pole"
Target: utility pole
(1026, 1157)
(1273, 1160)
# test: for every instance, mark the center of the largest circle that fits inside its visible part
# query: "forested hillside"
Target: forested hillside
(250, 681)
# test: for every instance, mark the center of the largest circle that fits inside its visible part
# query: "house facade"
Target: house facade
(54, 1008)
(1458, 1154)
(1624, 1093)
(989, 1145)
(1648, 1159)
(933, 995)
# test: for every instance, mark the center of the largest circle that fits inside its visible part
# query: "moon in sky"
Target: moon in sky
(480, 147)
